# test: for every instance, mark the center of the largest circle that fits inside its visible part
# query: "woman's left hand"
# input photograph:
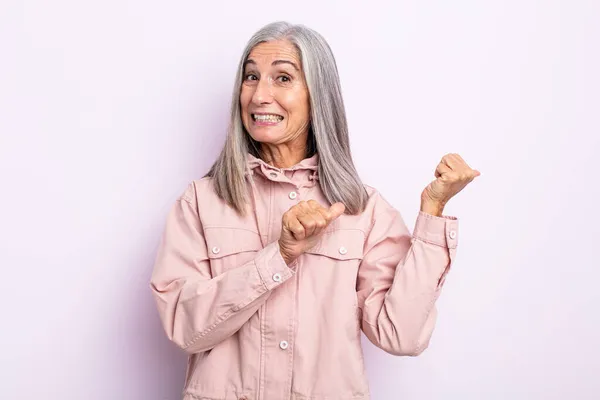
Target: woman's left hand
(452, 175)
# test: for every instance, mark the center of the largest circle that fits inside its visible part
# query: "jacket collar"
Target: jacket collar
(304, 173)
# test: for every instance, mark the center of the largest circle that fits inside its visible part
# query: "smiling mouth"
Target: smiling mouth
(267, 118)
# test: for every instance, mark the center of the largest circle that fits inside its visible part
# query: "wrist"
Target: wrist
(287, 259)
(290, 262)
(432, 208)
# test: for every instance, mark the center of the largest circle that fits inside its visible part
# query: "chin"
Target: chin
(265, 135)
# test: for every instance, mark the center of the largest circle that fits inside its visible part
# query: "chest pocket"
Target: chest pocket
(340, 244)
(332, 266)
(230, 247)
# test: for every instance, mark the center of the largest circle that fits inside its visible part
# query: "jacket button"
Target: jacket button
(452, 234)
(215, 250)
(343, 250)
(293, 195)
(277, 277)
(273, 174)
(283, 344)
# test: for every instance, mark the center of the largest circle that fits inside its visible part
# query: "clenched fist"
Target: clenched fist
(452, 175)
(302, 225)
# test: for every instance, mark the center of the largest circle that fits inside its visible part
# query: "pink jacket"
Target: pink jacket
(258, 329)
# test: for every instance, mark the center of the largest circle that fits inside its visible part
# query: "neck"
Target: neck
(282, 157)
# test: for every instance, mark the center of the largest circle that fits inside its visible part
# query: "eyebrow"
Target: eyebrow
(276, 62)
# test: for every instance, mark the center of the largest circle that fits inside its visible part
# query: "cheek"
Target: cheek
(244, 109)
(245, 97)
(297, 106)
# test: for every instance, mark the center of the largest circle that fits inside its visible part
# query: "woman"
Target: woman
(272, 264)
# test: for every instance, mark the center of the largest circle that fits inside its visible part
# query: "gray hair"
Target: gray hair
(328, 134)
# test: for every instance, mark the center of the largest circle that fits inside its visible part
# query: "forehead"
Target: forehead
(268, 52)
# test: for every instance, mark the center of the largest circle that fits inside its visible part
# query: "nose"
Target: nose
(263, 93)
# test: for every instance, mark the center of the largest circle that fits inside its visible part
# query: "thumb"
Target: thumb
(336, 210)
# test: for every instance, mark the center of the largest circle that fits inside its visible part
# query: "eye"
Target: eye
(250, 77)
(284, 78)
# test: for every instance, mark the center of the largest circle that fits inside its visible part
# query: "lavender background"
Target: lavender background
(109, 108)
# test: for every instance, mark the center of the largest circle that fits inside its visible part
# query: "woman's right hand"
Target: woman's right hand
(302, 225)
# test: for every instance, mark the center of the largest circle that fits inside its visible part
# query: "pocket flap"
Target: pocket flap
(341, 244)
(222, 242)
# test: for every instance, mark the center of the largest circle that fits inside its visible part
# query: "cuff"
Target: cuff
(272, 267)
(441, 231)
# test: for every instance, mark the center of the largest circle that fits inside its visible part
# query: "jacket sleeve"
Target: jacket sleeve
(400, 279)
(199, 311)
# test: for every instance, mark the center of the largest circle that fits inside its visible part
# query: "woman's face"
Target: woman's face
(274, 97)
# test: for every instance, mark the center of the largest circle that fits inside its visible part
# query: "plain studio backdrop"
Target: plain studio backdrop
(109, 108)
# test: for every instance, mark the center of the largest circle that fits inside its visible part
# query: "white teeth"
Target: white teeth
(267, 117)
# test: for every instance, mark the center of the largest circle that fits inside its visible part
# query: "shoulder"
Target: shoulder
(376, 207)
(377, 203)
(198, 189)
(212, 210)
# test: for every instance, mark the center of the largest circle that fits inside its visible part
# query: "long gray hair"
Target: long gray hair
(328, 134)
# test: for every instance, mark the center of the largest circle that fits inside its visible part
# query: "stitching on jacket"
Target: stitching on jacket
(200, 397)
(186, 199)
(223, 316)
(332, 231)
(420, 344)
(359, 396)
(418, 237)
(229, 227)
(322, 245)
